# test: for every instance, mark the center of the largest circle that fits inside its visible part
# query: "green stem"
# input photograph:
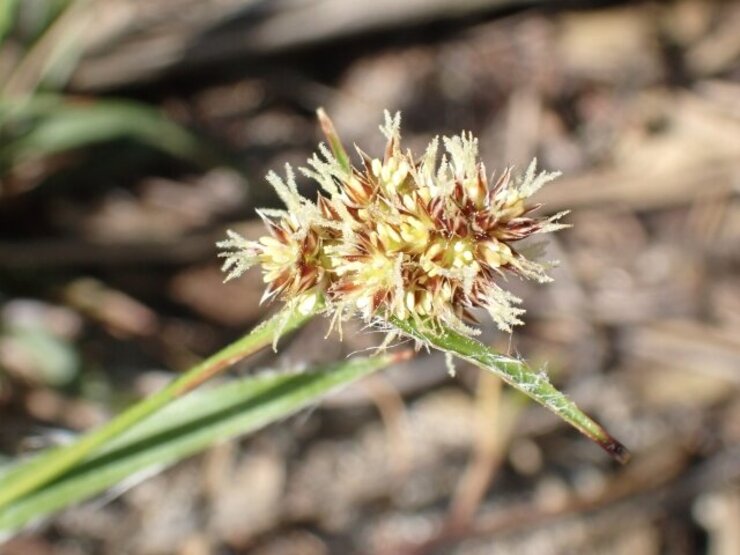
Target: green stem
(518, 374)
(45, 468)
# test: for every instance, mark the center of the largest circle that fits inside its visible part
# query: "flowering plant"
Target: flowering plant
(426, 240)
(412, 246)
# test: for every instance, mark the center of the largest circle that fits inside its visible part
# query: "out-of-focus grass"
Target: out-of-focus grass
(185, 427)
(37, 120)
(49, 124)
(7, 17)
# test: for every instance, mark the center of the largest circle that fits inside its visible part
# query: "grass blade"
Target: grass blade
(185, 427)
(52, 124)
(48, 466)
(517, 373)
(8, 10)
(55, 52)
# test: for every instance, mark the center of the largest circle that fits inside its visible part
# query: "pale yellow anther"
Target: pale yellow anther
(387, 233)
(414, 233)
(400, 174)
(376, 166)
(386, 173)
(491, 253)
(410, 301)
(434, 250)
(277, 255)
(472, 189)
(461, 255)
(354, 183)
(426, 302)
(408, 202)
(512, 203)
(400, 311)
(492, 258)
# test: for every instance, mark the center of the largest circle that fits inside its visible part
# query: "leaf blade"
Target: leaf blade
(48, 465)
(185, 427)
(56, 125)
(517, 373)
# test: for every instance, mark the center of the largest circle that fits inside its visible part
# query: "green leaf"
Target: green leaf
(47, 466)
(185, 427)
(47, 124)
(53, 44)
(517, 373)
(8, 10)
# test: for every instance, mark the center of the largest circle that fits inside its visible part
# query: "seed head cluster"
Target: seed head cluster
(428, 239)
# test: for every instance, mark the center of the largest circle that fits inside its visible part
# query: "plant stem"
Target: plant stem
(46, 467)
(518, 374)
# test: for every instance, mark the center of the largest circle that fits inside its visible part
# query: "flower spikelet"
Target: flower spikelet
(428, 239)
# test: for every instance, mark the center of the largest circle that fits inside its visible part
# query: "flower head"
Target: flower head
(429, 239)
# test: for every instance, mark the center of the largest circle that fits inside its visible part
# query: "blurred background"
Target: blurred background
(134, 132)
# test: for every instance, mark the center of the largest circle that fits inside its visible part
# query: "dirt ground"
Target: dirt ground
(109, 250)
